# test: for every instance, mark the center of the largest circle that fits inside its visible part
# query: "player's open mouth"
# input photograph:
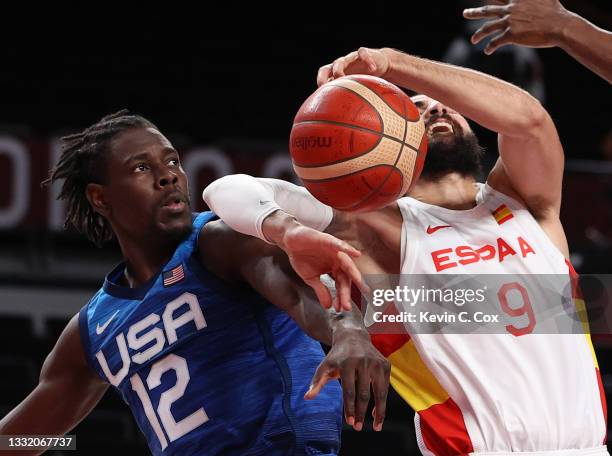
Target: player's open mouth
(174, 204)
(440, 126)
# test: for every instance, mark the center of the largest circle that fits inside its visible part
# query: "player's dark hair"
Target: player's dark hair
(83, 160)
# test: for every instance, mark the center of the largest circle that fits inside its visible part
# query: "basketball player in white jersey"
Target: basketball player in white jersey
(482, 394)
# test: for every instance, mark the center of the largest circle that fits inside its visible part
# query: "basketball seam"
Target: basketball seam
(399, 154)
(380, 118)
(380, 138)
(375, 93)
(372, 192)
(357, 127)
(328, 179)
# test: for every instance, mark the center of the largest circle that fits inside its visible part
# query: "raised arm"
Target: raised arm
(544, 23)
(237, 258)
(530, 151)
(67, 391)
(286, 215)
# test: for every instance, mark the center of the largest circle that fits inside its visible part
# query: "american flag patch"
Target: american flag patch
(502, 214)
(173, 276)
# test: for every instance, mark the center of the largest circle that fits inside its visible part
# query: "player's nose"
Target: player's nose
(435, 108)
(166, 178)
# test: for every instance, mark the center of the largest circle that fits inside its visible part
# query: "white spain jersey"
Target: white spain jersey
(493, 393)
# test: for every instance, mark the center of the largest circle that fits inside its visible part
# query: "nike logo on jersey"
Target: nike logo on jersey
(433, 229)
(100, 329)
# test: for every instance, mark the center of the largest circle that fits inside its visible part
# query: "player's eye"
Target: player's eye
(174, 162)
(420, 106)
(141, 167)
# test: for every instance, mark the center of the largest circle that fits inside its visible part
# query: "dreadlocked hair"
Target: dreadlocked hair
(83, 160)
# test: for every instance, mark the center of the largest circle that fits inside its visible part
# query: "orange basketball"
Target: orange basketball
(358, 143)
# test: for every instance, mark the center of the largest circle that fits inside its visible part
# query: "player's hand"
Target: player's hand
(533, 23)
(375, 62)
(312, 253)
(356, 362)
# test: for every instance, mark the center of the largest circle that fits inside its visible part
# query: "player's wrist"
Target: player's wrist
(392, 56)
(345, 326)
(565, 27)
(276, 226)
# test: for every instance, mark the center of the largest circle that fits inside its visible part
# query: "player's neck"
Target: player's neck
(142, 262)
(452, 191)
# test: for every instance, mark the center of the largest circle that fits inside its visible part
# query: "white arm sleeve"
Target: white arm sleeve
(244, 202)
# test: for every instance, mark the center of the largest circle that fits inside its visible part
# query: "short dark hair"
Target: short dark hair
(84, 160)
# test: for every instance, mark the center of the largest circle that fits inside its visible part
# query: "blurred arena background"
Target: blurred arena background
(226, 100)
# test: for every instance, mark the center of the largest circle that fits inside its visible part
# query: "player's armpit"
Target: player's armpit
(67, 391)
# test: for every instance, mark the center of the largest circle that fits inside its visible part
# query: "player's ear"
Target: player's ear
(95, 196)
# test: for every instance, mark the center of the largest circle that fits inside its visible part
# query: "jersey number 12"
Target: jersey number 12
(174, 429)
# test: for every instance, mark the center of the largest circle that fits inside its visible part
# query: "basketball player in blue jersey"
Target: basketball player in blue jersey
(206, 364)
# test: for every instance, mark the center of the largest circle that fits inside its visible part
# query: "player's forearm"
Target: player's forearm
(587, 43)
(241, 202)
(244, 202)
(491, 102)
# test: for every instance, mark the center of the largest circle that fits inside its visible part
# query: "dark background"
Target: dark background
(236, 87)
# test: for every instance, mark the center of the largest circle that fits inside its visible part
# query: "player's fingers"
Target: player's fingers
(343, 289)
(322, 292)
(366, 55)
(324, 373)
(498, 41)
(380, 389)
(347, 379)
(488, 29)
(485, 12)
(339, 245)
(349, 267)
(324, 74)
(363, 396)
(338, 68)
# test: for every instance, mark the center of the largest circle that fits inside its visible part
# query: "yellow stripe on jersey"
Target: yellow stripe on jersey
(584, 319)
(413, 380)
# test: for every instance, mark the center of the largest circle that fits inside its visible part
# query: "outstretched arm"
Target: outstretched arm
(544, 23)
(531, 156)
(286, 215)
(67, 391)
(238, 258)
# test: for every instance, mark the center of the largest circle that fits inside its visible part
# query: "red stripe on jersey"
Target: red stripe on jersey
(574, 277)
(443, 430)
(386, 344)
(604, 405)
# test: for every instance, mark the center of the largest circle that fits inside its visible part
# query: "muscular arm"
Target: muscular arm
(531, 157)
(245, 202)
(238, 258)
(545, 23)
(66, 393)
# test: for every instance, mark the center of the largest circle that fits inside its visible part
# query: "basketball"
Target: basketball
(358, 143)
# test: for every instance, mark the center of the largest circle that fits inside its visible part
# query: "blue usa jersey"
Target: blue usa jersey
(208, 368)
